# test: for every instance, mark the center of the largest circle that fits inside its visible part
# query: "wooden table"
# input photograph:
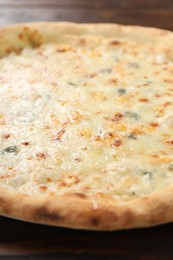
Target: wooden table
(31, 241)
(42, 242)
(158, 13)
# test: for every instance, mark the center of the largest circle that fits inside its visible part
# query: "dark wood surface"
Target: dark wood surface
(158, 13)
(28, 240)
(22, 240)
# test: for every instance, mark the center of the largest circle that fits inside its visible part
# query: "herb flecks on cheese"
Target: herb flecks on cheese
(95, 119)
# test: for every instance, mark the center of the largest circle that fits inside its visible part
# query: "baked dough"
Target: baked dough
(86, 125)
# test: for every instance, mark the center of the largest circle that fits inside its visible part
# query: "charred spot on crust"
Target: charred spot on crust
(4, 206)
(44, 213)
(95, 220)
(80, 195)
(11, 49)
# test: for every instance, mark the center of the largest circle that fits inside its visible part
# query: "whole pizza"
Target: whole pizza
(86, 125)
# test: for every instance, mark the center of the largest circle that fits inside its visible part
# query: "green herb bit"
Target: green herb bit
(132, 136)
(132, 115)
(170, 167)
(72, 84)
(133, 193)
(11, 149)
(121, 91)
(147, 173)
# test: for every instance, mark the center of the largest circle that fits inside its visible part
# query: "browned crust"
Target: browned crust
(77, 210)
(71, 210)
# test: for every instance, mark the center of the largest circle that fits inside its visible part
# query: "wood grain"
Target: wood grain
(25, 239)
(31, 241)
(153, 13)
(123, 3)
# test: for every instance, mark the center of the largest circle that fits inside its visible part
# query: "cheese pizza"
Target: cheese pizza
(86, 125)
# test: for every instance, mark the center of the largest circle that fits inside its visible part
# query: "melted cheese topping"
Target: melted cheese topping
(94, 116)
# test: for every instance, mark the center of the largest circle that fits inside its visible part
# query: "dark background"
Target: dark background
(30, 241)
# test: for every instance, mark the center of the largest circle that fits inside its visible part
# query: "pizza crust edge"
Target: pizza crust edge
(79, 211)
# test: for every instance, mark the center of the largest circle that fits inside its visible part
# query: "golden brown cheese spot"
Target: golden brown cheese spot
(81, 195)
(154, 124)
(65, 48)
(25, 143)
(117, 142)
(5, 136)
(112, 81)
(170, 142)
(41, 156)
(85, 132)
(43, 187)
(137, 131)
(143, 100)
(76, 116)
(98, 96)
(59, 134)
(115, 43)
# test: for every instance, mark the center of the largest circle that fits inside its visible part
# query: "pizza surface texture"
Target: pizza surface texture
(86, 125)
